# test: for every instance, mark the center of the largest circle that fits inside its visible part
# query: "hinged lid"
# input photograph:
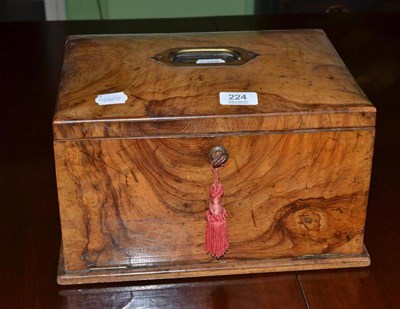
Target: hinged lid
(173, 84)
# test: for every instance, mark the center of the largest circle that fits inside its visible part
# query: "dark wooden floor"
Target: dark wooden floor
(30, 59)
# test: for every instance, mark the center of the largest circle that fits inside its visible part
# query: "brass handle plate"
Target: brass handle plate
(205, 56)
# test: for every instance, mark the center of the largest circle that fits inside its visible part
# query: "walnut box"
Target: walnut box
(136, 118)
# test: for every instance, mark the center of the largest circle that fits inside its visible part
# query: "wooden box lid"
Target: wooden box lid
(299, 78)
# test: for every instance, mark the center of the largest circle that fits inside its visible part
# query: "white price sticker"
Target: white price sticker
(238, 98)
(111, 98)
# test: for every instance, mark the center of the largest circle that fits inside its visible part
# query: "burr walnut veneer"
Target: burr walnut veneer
(133, 178)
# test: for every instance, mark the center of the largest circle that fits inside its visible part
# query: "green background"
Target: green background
(135, 9)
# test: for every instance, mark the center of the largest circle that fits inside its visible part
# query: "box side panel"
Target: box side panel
(141, 202)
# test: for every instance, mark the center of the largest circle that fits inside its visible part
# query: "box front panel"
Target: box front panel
(142, 202)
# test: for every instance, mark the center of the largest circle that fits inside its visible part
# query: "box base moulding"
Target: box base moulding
(219, 268)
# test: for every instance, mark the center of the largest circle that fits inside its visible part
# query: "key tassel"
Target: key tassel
(216, 230)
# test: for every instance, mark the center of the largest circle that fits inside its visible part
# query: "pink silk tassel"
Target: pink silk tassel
(216, 230)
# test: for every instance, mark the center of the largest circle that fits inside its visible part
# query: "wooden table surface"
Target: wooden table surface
(30, 61)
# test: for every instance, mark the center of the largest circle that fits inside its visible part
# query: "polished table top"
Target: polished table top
(30, 62)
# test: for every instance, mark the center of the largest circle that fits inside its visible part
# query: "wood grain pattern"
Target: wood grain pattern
(141, 202)
(300, 80)
(133, 178)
